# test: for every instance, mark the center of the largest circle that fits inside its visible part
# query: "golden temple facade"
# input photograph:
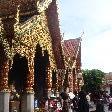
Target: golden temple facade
(30, 42)
(32, 55)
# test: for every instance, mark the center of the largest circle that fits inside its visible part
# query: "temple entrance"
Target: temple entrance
(17, 81)
(41, 62)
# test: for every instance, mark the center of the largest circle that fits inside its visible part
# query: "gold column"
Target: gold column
(30, 77)
(28, 97)
(74, 80)
(4, 76)
(71, 82)
(58, 86)
(48, 78)
(4, 90)
(57, 82)
(60, 79)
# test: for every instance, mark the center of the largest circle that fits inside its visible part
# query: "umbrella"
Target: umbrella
(71, 95)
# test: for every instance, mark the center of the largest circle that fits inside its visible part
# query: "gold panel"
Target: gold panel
(29, 34)
(4, 41)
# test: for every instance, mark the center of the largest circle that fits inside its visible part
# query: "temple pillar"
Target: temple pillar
(28, 96)
(4, 90)
(75, 88)
(28, 102)
(57, 85)
(71, 82)
(48, 82)
(60, 80)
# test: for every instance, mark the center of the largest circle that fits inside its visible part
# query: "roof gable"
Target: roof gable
(71, 47)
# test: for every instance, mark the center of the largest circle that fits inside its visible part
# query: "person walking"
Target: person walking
(110, 103)
(83, 105)
(75, 104)
(99, 106)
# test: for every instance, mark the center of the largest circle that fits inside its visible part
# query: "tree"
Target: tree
(92, 80)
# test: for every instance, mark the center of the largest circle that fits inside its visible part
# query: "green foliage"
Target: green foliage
(92, 80)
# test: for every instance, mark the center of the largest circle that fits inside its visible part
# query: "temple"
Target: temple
(72, 56)
(32, 54)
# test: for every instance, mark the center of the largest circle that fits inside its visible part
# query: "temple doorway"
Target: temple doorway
(17, 81)
(41, 62)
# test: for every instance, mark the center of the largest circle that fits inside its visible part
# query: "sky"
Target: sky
(94, 17)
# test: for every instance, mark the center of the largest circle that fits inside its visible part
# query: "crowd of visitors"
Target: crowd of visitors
(79, 102)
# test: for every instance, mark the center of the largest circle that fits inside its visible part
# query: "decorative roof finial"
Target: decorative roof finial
(0, 21)
(17, 14)
(82, 34)
(1, 26)
(43, 5)
(37, 3)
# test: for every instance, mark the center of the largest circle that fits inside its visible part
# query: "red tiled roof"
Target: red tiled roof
(70, 47)
(108, 76)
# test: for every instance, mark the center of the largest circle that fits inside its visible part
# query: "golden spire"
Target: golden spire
(1, 25)
(43, 4)
(17, 14)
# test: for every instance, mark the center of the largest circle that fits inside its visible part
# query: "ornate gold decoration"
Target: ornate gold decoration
(48, 80)
(30, 77)
(27, 36)
(4, 76)
(60, 78)
(17, 15)
(4, 41)
(43, 5)
(70, 79)
(57, 82)
(32, 32)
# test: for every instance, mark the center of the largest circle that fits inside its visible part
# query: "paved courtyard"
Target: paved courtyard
(94, 107)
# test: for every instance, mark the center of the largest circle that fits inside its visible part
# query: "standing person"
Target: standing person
(110, 103)
(75, 104)
(89, 99)
(65, 106)
(47, 104)
(83, 105)
(65, 102)
(100, 106)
